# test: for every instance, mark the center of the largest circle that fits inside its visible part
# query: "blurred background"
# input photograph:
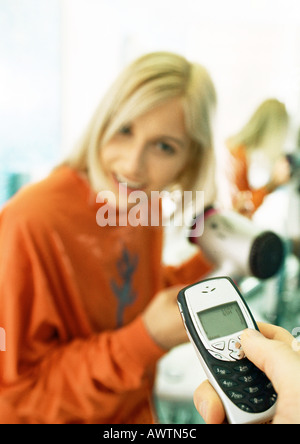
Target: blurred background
(57, 58)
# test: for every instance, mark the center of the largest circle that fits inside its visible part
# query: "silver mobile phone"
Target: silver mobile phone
(215, 314)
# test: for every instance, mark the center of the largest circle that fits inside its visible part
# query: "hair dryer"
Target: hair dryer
(237, 246)
(294, 161)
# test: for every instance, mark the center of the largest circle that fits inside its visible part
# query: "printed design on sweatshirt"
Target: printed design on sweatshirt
(124, 292)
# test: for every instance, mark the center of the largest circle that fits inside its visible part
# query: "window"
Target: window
(29, 89)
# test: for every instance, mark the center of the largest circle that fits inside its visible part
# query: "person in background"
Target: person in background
(257, 149)
(275, 351)
(87, 305)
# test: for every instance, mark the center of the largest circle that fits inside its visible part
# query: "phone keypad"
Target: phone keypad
(246, 385)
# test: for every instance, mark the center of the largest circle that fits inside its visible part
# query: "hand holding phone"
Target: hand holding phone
(215, 314)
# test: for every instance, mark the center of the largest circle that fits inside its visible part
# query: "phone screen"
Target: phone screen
(222, 320)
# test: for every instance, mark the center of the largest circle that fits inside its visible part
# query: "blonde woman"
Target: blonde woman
(259, 147)
(87, 306)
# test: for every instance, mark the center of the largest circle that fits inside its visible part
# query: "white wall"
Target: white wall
(252, 49)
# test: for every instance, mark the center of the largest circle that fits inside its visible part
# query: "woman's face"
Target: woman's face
(148, 153)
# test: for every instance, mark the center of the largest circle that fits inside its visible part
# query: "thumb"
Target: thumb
(266, 354)
(254, 345)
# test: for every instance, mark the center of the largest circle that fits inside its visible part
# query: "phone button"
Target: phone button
(244, 368)
(248, 379)
(234, 344)
(237, 355)
(234, 395)
(219, 345)
(272, 399)
(221, 370)
(217, 355)
(252, 390)
(228, 383)
(258, 400)
(245, 408)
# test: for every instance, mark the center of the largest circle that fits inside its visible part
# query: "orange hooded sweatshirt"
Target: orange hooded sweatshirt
(71, 298)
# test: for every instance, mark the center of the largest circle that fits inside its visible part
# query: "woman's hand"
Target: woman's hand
(163, 321)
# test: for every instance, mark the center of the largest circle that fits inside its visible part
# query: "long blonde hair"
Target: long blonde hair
(268, 121)
(146, 83)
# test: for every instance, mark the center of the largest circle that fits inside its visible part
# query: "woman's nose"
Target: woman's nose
(135, 161)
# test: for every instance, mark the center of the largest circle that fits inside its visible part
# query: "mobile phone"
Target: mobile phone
(215, 314)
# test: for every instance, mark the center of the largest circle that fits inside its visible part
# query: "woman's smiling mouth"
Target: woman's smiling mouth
(131, 185)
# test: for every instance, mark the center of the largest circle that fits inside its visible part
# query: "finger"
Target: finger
(208, 404)
(266, 354)
(275, 332)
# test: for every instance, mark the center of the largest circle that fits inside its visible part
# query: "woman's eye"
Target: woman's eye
(126, 129)
(166, 148)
